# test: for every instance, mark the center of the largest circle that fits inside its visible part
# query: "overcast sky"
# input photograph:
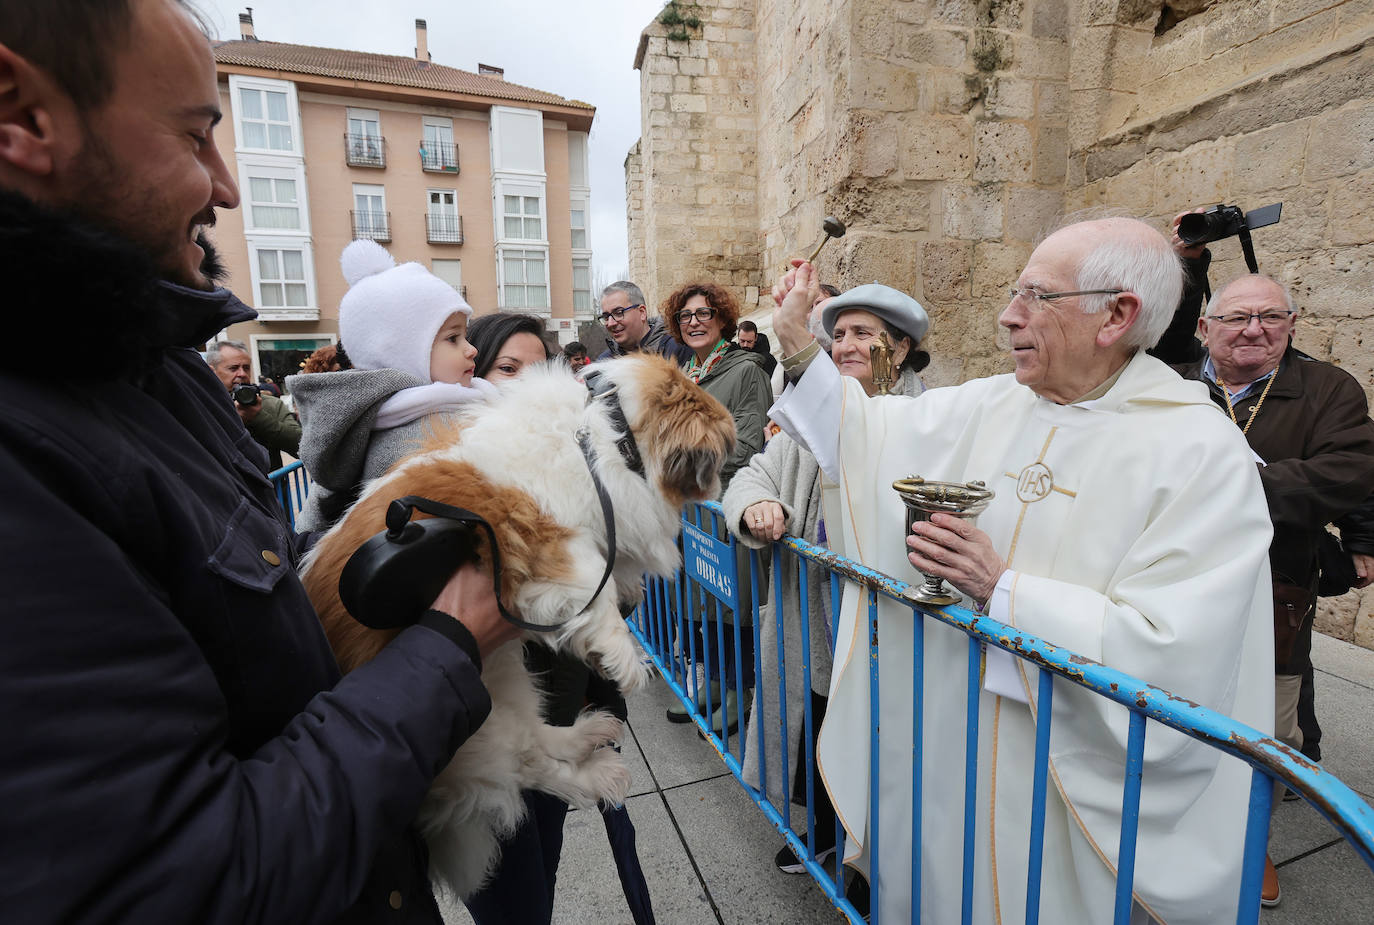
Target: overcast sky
(582, 51)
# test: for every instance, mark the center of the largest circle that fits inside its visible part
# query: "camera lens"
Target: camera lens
(1193, 228)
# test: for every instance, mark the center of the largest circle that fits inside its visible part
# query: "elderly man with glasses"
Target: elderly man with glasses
(1307, 423)
(1128, 526)
(625, 316)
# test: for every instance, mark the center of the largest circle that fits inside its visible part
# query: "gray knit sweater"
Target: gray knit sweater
(340, 449)
(786, 473)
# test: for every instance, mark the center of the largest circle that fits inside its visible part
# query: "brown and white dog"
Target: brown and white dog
(516, 462)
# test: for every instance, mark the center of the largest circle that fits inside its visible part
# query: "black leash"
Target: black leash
(604, 389)
(398, 515)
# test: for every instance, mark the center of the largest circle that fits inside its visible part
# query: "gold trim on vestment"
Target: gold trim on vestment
(992, 813)
(1016, 535)
(854, 643)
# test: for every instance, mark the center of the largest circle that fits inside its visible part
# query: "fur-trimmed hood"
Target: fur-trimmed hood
(65, 279)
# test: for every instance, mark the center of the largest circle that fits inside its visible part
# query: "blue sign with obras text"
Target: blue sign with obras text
(711, 563)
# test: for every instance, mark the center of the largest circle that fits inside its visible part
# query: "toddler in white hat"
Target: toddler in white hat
(405, 331)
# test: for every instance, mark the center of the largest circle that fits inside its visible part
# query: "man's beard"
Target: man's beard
(102, 198)
(211, 266)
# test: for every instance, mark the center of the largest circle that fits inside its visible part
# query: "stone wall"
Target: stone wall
(950, 134)
(696, 159)
(1248, 103)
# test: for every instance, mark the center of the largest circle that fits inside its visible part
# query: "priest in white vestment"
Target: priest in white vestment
(1129, 526)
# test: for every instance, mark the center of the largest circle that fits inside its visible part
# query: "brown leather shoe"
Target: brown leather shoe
(1269, 889)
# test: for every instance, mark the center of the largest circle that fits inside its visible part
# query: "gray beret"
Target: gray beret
(896, 308)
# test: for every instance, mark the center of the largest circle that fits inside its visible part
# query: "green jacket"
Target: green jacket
(276, 428)
(739, 383)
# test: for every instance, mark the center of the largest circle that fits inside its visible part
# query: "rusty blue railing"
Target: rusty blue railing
(663, 625)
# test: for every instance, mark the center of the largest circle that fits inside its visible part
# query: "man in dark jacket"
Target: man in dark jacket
(179, 746)
(262, 411)
(626, 318)
(1307, 423)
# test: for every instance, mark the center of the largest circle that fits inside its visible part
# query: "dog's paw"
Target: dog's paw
(596, 729)
(606, 776)
(623, 662)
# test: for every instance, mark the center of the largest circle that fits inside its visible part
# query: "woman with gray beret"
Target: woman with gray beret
(780, 491)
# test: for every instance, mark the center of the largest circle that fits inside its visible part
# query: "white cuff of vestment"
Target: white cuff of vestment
(1000, 673)
(809, 413)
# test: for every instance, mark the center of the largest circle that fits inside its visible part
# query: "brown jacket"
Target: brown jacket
(1314, 433)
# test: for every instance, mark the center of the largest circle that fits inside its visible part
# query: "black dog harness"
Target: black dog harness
(602, 389)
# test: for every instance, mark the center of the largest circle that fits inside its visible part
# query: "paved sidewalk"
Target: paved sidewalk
(708, 852)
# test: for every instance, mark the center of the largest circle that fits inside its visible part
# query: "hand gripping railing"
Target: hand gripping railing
(663, 629)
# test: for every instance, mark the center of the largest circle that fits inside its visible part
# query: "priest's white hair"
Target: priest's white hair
(1135, 257)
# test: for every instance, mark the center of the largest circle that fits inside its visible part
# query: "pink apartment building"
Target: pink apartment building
(483, 181)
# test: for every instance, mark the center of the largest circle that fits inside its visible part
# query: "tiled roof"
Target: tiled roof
(397, 70)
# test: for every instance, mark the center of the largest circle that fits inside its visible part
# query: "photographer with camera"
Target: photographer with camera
(1307, 424)
(265, 415)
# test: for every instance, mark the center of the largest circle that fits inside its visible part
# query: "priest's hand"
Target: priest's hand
(953, 549)
(794, 295)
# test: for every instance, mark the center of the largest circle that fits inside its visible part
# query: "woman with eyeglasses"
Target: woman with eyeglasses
(703, 316)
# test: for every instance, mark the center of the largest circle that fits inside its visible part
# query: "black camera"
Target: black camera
(1223, 221)
(247, 394)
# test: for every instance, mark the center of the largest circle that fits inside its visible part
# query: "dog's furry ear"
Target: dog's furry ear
(693, 473)
(686, 431)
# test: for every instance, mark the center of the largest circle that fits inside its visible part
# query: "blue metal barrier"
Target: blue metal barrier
(293, 484)
(663, 624)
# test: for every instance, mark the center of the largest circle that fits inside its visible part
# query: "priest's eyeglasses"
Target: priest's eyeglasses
(617, 313)
(1037, 300)
(1269, 320)
(701, 314)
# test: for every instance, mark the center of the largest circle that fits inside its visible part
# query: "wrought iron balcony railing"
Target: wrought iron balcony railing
(365, 150)
(375, 226)
(443, 229)
(439, 157)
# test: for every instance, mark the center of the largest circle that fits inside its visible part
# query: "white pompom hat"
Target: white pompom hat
(391, 314)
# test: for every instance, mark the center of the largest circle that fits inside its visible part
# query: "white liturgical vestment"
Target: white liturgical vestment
(1136, 534)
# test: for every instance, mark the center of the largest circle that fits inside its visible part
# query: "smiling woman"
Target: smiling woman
(703, 316)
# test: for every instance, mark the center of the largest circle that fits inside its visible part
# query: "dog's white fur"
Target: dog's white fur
(526, 440)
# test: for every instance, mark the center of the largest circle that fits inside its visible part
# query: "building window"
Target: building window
(579, 229)
(437, 150)
(525, 279)
(281, 278)
(522, 218)
(273, 203)
(370, 218)
(443, 224)
(365, 145)
(266, 119)
(517, 140)
(582, 285)
(277, 357)
(450, 271)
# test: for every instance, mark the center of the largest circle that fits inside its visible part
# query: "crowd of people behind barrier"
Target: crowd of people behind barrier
(182, 744)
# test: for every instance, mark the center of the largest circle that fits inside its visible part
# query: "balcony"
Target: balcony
(365, 150)
(443, 229)
(439, 157)
(374, 226)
